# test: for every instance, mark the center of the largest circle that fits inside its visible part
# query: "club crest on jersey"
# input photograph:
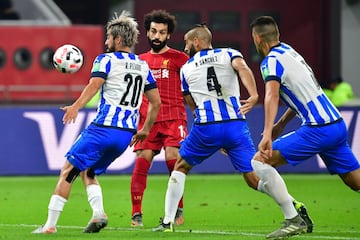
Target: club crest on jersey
(165, 63)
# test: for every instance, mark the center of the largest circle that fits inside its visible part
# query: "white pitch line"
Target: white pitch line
(305, 236)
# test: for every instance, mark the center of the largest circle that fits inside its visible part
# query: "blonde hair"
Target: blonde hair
(124, 26)
(200, 31)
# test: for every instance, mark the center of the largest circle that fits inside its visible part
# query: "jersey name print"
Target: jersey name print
(306, 97)
(122, 92)
(209, 77)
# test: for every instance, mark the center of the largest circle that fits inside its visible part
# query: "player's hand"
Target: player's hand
(139, 137)
(248, 104)
(265, 148)
(70, 114)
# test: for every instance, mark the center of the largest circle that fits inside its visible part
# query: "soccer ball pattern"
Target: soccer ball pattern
(68, 59)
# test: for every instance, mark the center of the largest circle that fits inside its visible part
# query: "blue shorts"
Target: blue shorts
(97, 147)
(329, 141)
(206, 139)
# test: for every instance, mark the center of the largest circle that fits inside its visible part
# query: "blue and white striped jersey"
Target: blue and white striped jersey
(126, 78)
(299, 88)
(213, 83)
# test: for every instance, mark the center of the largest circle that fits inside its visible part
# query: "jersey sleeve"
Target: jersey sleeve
(234, 53)
(271, 69)
(150, 81)
(101, 66)
(184, 85)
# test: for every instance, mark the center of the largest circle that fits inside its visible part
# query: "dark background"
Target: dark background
(311, 27)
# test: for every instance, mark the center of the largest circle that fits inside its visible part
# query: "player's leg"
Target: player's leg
(170, 159)
(173, 132)
(342, 161)
(292, 146)
(104, 147)
(338, 156)
(145, 152)
(174, 192)
(68, 174)
(352, 179)
(57, 201)
(175, 189)
(240, 148)
(138, 184)
(273, 185)
(99, 218)
(194, 150)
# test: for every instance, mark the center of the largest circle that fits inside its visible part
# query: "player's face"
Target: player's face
(258, 44)
(158, 36)
(189, 47)
(109, 42)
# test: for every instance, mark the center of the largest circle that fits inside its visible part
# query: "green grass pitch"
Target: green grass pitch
(216, 207)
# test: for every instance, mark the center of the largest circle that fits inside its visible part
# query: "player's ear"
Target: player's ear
(257, 38)
(118, 40)
(196, 41)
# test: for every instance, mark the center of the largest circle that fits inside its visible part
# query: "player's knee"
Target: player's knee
(90, 173)
(251, 180)
(355, 186)
(182, 166)
(352, 180)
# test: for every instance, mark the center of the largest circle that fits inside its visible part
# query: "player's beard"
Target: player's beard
(157, 47)
(260, 50)
(110, 48)
(192, 50)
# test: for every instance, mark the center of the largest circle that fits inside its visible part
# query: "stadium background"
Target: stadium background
(32, 136)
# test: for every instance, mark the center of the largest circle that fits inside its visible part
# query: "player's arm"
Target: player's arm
(153, 108)
(89, 91)
(190, 102)
(281, 123)
(271, 102)
(246, 76)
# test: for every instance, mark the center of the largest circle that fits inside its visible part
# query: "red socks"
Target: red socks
(138, 183)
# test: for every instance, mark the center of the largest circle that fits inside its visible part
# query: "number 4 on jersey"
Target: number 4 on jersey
(212, 81)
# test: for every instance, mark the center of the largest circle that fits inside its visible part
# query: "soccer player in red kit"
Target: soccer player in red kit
(170, 127)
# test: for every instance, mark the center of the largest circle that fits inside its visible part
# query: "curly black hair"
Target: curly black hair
(160, 16)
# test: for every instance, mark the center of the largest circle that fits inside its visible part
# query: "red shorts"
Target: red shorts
(164, 134)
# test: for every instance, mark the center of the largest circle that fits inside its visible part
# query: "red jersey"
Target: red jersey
(166, 70)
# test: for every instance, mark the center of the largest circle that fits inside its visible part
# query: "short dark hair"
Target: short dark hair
(262, 20)
(266, 27)
(160, 16)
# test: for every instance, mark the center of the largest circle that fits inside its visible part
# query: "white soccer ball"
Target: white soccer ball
(68, 59)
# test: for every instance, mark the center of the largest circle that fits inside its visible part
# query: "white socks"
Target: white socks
(272, 184)
(95, 199)
(56, 205)
(174, 193)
